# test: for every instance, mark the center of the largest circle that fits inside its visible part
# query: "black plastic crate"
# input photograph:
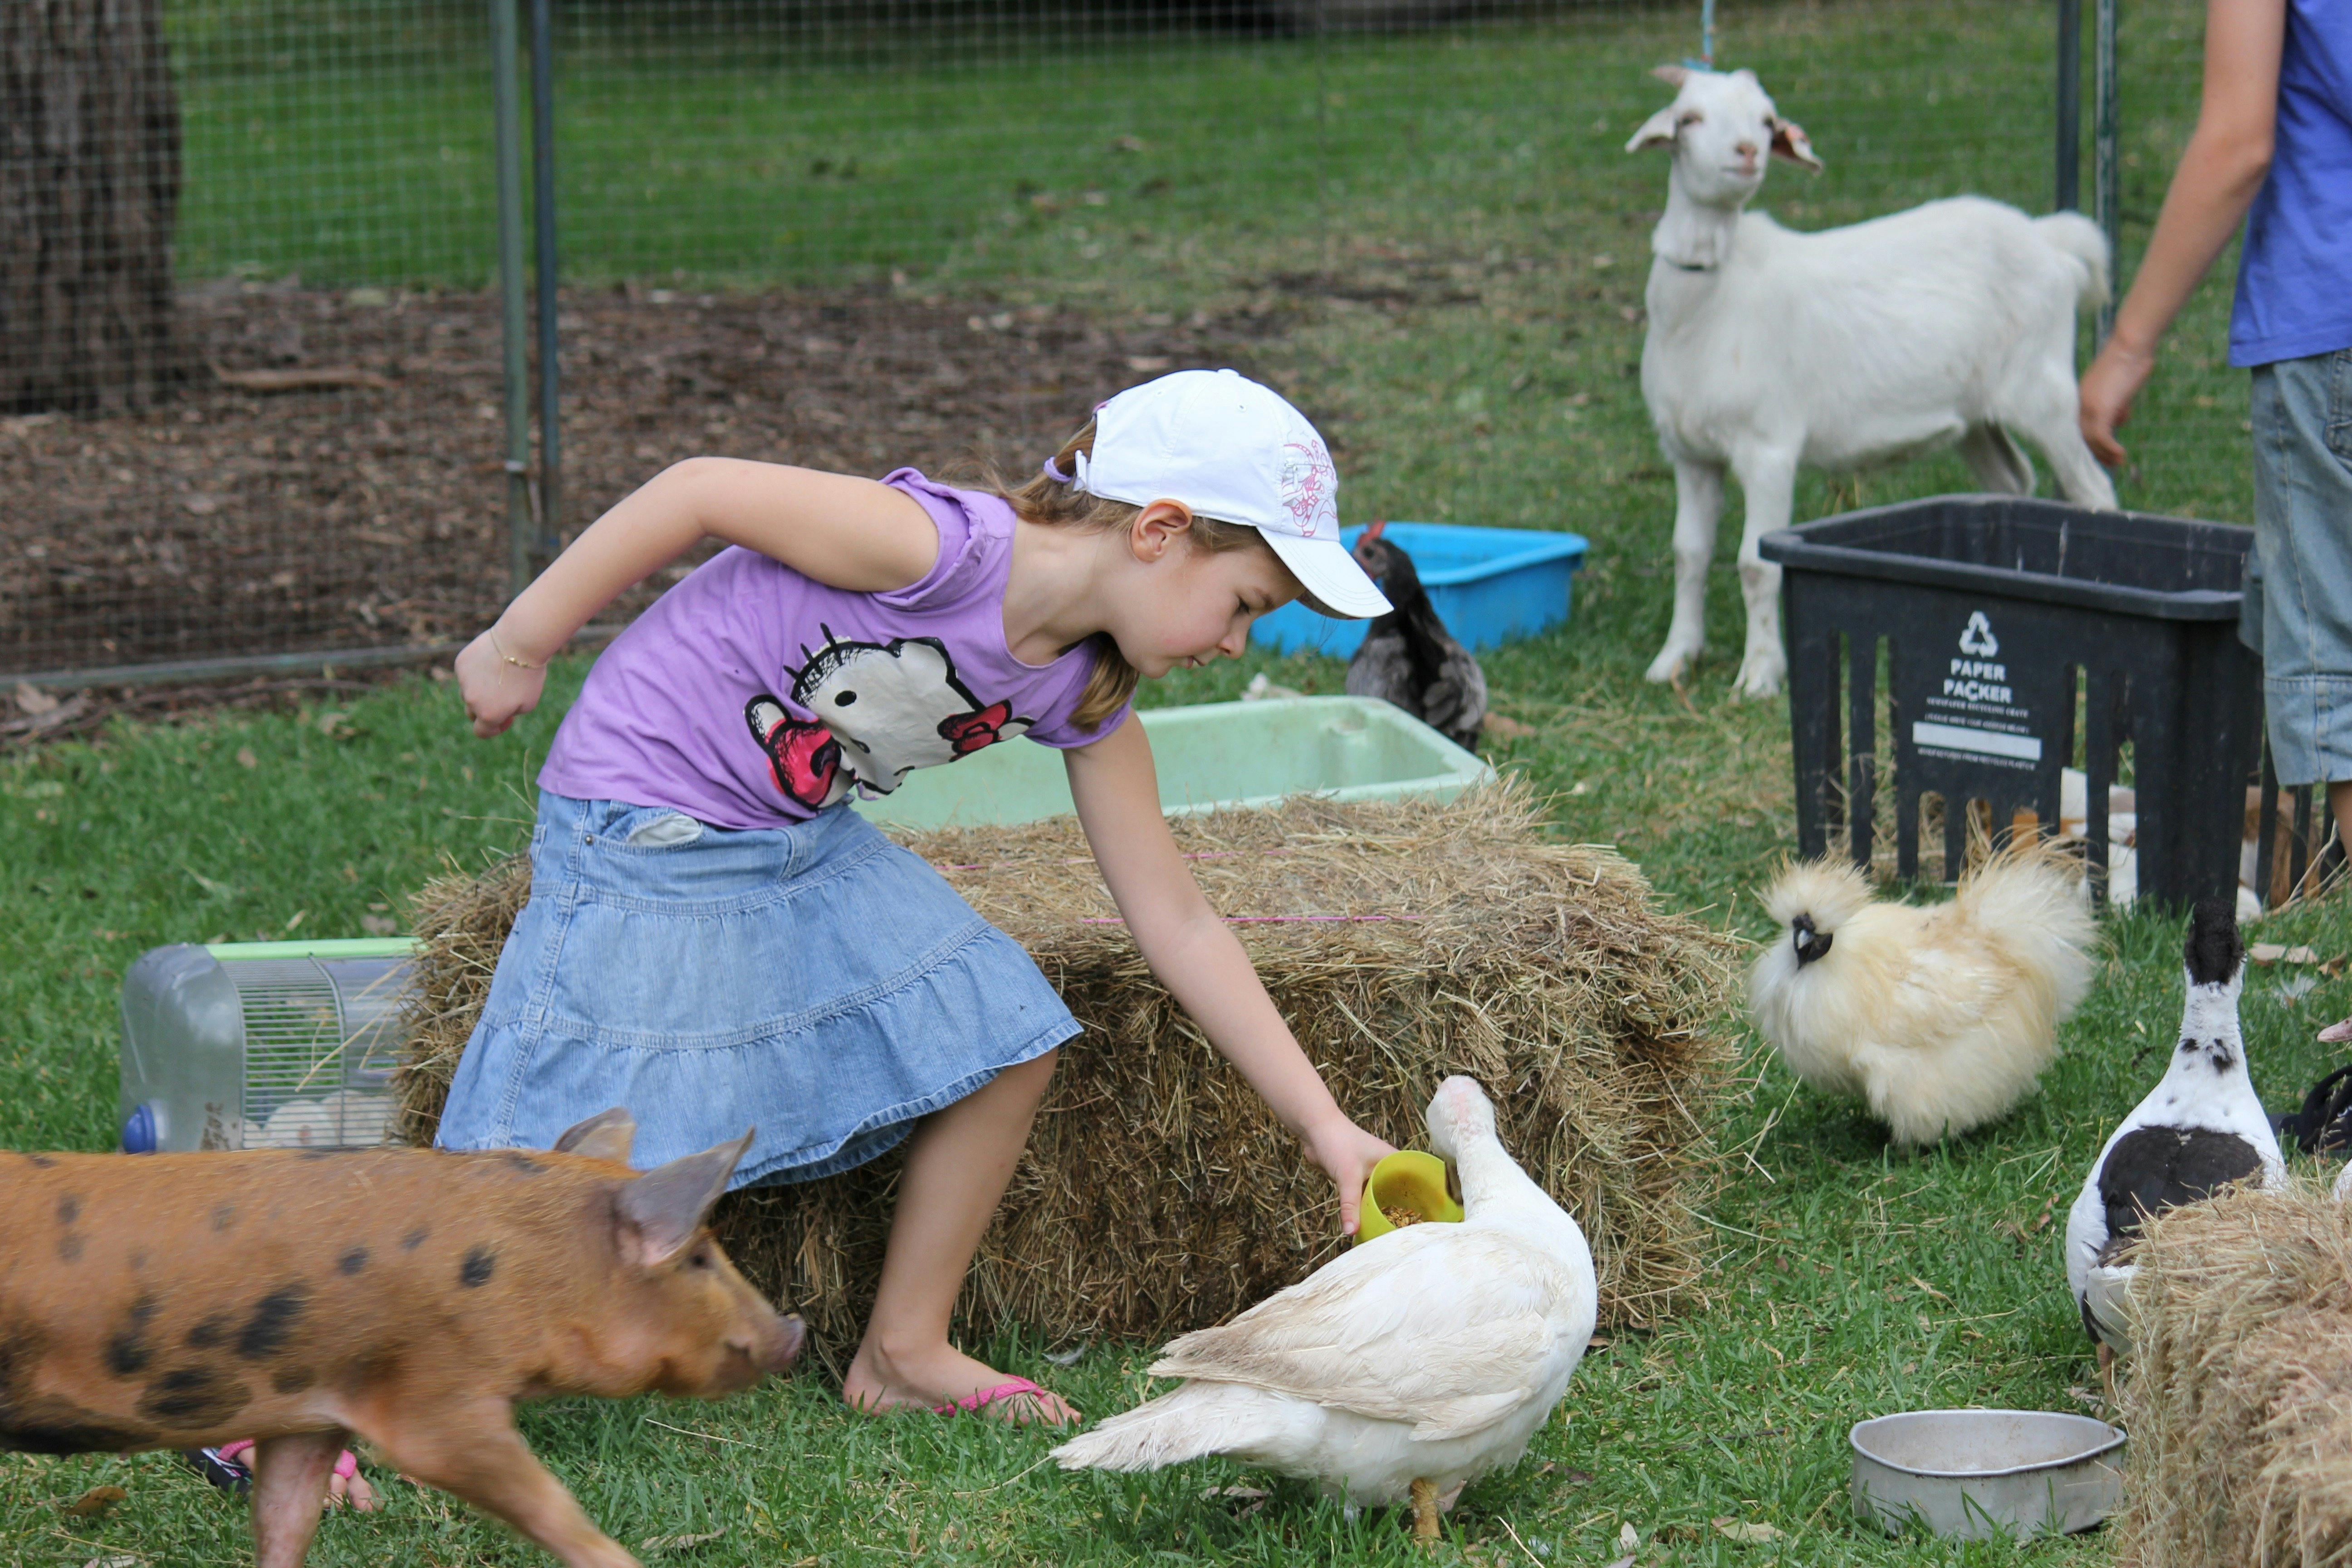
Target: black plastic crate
(2000, 616)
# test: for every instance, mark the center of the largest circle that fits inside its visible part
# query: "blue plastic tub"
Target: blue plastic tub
(1487, 584)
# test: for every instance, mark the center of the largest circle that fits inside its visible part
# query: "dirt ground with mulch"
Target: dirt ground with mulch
(235, 520)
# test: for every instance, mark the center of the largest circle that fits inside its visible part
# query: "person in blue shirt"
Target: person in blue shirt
(2273, 147)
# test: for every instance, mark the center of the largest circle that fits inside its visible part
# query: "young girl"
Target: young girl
(716, 940)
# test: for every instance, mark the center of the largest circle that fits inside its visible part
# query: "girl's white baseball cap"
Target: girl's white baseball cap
(1235, 451)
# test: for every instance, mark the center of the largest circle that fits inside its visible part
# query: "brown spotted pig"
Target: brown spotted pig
(295, 1296)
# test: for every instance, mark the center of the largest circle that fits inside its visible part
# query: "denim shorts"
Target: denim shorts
(2298, 605)
(813, 981)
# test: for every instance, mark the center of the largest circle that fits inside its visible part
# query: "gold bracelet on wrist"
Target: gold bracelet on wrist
(502, 653)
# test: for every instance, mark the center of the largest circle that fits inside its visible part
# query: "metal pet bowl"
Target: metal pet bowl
(1977, 1473)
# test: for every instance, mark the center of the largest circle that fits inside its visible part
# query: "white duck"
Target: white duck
(2198, 1131)
(1404, 1368)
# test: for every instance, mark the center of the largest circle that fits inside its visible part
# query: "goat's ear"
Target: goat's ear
(1789, 141)
(1674, 75)
(1658, 131)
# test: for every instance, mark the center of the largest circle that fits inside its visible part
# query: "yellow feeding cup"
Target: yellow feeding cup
(1406, 1188)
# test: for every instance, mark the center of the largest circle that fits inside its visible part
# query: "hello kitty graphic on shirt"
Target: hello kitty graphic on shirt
(883, 710)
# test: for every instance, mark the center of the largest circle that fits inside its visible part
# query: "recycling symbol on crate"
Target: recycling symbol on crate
(1974, 716)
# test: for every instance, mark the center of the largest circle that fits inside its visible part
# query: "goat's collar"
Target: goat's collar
(1693, 235)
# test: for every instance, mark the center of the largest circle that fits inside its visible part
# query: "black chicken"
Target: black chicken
(1408, 657)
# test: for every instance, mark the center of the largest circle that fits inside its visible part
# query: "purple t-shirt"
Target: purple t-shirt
(748, 694)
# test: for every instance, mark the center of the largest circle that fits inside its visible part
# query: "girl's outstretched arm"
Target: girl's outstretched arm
(1196, 956)
(2222, 169)
(835, 528)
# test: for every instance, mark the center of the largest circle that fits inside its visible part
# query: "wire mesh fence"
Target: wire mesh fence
(858, 235)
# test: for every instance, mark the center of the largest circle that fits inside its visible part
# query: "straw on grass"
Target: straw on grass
(1402, 940)
(2239, 1398)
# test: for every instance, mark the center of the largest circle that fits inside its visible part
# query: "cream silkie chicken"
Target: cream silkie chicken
(1939, 1018)
(1403, 1369)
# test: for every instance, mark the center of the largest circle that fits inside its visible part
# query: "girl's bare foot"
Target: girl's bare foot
(927, 1379)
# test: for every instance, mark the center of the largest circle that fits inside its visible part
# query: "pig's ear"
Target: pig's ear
(661, 1210)
(607, 1135)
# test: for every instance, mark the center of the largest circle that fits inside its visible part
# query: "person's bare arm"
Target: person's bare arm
(2227, 159)
(835, 527)
(1196, 957)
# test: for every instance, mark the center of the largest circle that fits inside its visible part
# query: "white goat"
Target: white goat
(1952, 321)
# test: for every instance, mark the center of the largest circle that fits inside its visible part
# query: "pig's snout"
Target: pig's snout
(779, 1343)
(767, 1345)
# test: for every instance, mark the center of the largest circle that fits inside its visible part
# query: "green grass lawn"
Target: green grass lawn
(1448, 228)
(1848, 1281)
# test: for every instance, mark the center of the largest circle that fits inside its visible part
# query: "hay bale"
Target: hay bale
(461, 919)
(2239, 1399)
(1401, 942)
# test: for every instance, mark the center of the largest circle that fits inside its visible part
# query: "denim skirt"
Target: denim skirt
(815, 982)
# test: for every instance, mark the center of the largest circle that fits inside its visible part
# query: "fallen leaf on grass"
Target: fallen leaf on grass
(246, 758)
(57, 714)
(33, 700)
(378, 925)
(1505, 728)
(111, 1562)
(1247, 1494)
(1745, 1533)
(94, 1502)
(680, 1542)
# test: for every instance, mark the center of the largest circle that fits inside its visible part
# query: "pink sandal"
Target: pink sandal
(1012, 1388)
(235, 1453)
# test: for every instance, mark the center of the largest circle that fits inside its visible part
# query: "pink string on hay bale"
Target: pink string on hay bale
(1256, 919)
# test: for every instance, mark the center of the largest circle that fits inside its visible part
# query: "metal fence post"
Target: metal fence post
(508, 118)
(2106, 189)
(2067, 195)
(542, 181)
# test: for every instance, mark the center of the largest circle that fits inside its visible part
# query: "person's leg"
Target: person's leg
(2303, 520)
(958, 1163)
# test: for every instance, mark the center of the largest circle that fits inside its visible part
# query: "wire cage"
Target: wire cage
(281, 404)
(262, 1045)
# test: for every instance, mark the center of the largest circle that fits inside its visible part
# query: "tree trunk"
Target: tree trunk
(90, 183)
